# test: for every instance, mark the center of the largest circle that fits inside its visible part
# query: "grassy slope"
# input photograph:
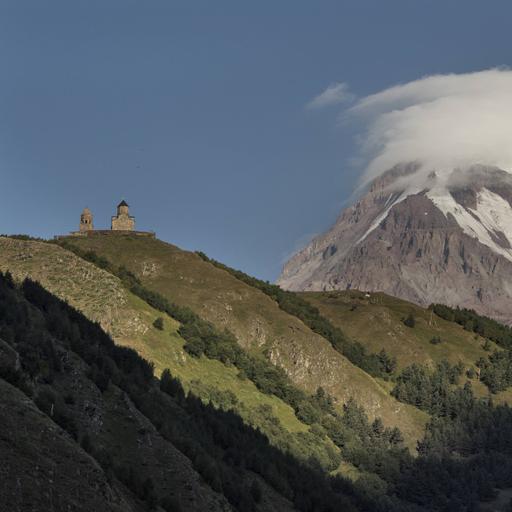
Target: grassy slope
(165, 350)
(102, 298)
(376, 322)
(257, 321)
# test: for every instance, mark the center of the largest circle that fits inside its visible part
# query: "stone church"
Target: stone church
(122, 223)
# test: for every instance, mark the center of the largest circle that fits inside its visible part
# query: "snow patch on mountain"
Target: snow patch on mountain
(489, 222)
(389, 204)
(393, 199)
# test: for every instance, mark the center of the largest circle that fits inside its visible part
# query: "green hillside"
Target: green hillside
(258, 323)
(103, 298)
(377, 321)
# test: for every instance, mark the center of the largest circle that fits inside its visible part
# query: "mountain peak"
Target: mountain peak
(427, 237)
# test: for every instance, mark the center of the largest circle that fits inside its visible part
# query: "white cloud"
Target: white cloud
(442, 122)
(334, 94)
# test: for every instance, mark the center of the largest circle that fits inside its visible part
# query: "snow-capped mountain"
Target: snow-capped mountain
(446, 238)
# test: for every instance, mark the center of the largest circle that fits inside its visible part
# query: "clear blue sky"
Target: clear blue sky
(194, 112)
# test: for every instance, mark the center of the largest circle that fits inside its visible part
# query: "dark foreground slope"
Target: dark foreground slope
(43, 468)
(85, 426)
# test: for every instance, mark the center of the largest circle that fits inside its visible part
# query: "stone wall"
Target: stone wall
(109, 232)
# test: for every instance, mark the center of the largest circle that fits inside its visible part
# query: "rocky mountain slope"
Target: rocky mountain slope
(443, 241)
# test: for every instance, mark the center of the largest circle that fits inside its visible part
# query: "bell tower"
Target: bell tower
(86, 221)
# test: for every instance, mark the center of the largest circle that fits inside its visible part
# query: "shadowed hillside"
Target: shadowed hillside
(140, 443)
(40, 463)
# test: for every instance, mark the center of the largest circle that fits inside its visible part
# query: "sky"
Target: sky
(220, 123)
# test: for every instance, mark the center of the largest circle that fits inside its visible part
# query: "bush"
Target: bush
(171, 386)
(409, 321)
(195, 346)
(307, 413)
(45, 400)
(86, 443)
(159, 323)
